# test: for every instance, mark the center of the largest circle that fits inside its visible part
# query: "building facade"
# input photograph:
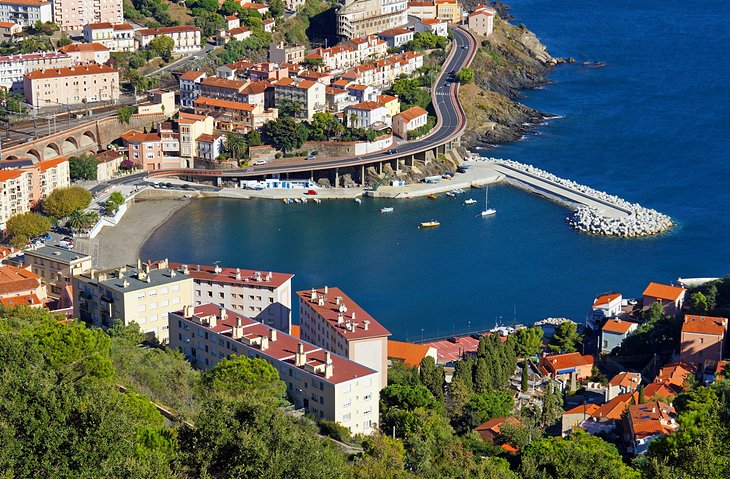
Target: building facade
(71, 85)
(613, 333)
(190, 87)
(13, 68)
(280, 53)
(326, 385)
(56, 266)
(702, 338)
(481, 20)
(72, 15)
(307, 95)
(366, 17)
(670, 297)
(142, 295)
(117, 38)
(409, 120)
(86, 52)
(25, 12)
(333, 321)
(185, 38)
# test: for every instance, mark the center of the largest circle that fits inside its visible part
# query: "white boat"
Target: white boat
(298, 200)
(358, 200)
(316, 200)
(304, 200)
(470, 201)
(388, 209)
(487, 210)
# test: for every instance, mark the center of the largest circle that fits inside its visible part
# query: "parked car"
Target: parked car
(260, 162)
(392, 151)
(310, 192)
(311, 157)
(66, 244)
(454, 339)
(476, 336)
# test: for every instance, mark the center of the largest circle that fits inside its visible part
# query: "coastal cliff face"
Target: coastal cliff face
(510, 59)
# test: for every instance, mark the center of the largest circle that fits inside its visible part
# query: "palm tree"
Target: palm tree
(82, 220)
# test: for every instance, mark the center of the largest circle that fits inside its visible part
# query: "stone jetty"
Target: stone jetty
(595, 212)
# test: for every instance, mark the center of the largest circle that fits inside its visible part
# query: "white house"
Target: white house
(368, 114)
(604, 306)
(433, 25)
(409, 120)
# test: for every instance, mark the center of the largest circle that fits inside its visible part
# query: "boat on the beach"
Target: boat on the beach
(487, 210)
(316, 200)
(358, 200)
(304, 200)
(470, 201)
(429, 224)
(432, 196)
(450, 193)
(297, 200)
(387, 209)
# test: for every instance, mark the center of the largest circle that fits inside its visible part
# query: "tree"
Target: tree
(64, 201)
(125, 113)
(578, 455)
(407, 397)
(210, 23)
(465, 75)
(208, 5)
(324, 126)
(432, 376)
(25, 226)
(654, 313)
(483, 407)
(163, 47)
(699, 302)
(552, 405)
(82, 220)
(235, 146)
(313, 63)
(410, 93)
(566, 338)
(284, 133)
(112, 204)
(482, 376)
(525, 380)
(526, 341)
(241, 376)
(253, 138)
(83, 167)
(401, 373)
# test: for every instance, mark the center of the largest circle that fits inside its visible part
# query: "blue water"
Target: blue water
(652, 127)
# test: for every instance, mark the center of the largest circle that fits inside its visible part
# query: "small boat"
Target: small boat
(285, 200)
(387, 209)
(432, 196)
(487, 210)
(304, 200)
(316, 200)
(470, 201)
(297, 200)
(450, 193)
(358, 200)
(429, 224)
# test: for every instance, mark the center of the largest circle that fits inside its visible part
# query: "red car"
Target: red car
(311, 193)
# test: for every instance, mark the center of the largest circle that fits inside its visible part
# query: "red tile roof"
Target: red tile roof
(223, 83)
(491, 429)
(652, 418)
(704, 325)
(14, 280)
(134, 136)
(410, 353)
(559, 362)
(227, 104)
(191, 75)
(626, 379)
(47, 164)
(394, 32)
(83, 47)
(23, 300)
(587, 409)
(24, 2)
(412, 113)
(229, 275)
(615, 408)
(618, 326)
(238, 30)
(365, 106)
(350, 311)
(663, 291)
(91, 69)
(605, 300)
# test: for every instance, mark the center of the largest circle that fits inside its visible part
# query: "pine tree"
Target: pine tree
(482, 376)
(525, 376)
(464, 372)
(432, 376)
(552, 405)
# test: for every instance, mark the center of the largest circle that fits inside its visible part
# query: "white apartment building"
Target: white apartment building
(326, 385)
(190, 87)
(142, 295)
(333, 321)
(281, 53)
(74, 14)
(366, 17)
(186, 38)
(117, 38)
(14, 67)
(351, 53)
(264, 296)
(25, 12)
(71, 85)
(396, 37)
(433, 25)
(367, 114)
(308, 94)
(481, 20)
(209, 146)
(382, 73)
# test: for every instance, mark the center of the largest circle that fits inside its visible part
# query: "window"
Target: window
(140, 308)
(346, 417)
(175, 288)
(176, 300)
(367, 397)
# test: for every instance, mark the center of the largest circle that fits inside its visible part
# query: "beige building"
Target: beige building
(25, 12)
(326, 385)
(56, 266)
(21, 287)
(71, 85)
(366, 17)
(14, 67)
(422, 10)
(702, 338)
(186, 38)
(229, 115)
(191, 127)
(142, 295)
(307, 94)
(74, 14)
(280, 53)
(448, 11)
(117, 38)
(481, 20)
(409, 120)
(108, 163)
(264, 296)
(333, 321)
(87, 52)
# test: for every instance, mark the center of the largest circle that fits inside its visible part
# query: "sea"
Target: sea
(650, 126)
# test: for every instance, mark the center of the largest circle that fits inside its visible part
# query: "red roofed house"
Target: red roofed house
(491, 431)
(702, 339)
(568, 366)
(9, 29)
(20, 287)
(670, 297)
(71, 85)
(613, 332)
(396, 37)
(262, 9)
(331, 320)
(190, 87)
(87, 52)
(145, 149)
(308, 95)
(186, 38)
(604, 306)
(238, 33)
(409, 120)
(574, 417)
(118, 38)
(647, 422)
(481, 20)
(367, 114)
(433, 25)
(410, 354)
(670, 381)
(622, 383)
(325, 384)
(232, 21)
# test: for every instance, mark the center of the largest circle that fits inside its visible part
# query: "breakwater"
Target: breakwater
(595, 212)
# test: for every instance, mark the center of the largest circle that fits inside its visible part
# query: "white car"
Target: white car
(260, 162)
(66, 244)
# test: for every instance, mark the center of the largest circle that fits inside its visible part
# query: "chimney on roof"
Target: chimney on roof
(313, 294)
(223, 313)
(125, 284)
(188, 311)
(185, 270)
(172, 273)
(139, 264)
(353, 315)
(328, 366)
(217, 269)
(272, 335)
(338, 300)
(264, 343)
(301, 357)
(326, 289)
(320, 301)
(365, 324)
(340, 318)
(269, 276)
(238, 274)
(212, 321)
(237, 331)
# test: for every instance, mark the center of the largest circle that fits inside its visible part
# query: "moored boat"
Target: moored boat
(387, 209)
(429, 224)
(432, 196)
(470, 201)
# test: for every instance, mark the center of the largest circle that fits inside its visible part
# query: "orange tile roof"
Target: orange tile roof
(223, 83)
(412, 113)
(23, 300)
(568, 360)
(704, 325)
(227, 104)
(253, 6)
(134, 136)
(7, 24)
(652, 418)
(14, 279)
(91, 69)
(615, 408)
(99, 25)
(256, 87)
(605, 300)
(191, 75)
(365, 106)
(383, 99)
(421, 4)
(6, 175)
(626, 379)
(205, 137)
(83, 47)
(47, 164)
(432, 21)
(670, 380)
(190, 118)
(238, 30)
(587, 409)
(411, 354)
(491, 429)
(617, 326)
(394, 32)
(663, 291)
(335, 91)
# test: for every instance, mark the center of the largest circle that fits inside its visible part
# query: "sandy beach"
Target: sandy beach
(120, 245)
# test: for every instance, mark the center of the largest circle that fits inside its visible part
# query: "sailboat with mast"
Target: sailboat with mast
(487, 210)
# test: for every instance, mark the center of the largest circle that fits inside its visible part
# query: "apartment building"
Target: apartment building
(434, 25)
(308, 95)
(186, 38)
(366, 17)
(382, 73)
(368, 114)
(25, 12)
(21, 287)
(132, 294)
(281, 53)
(56, 266)
(13, 68)
(333, 321)
(326, 385)
(422, 10)
(146, 150)
(190, 87)
(702, 338)
(108, 164)
(74, 14)
(87, 52)
(23, 188)
(116, 37)
(448, 10)
(481, 20)
(209, 146)
(409, 120)
(190, 127)
(396, 37)
(71, 85)
(263, 296)
(229, 115)
(223, 89)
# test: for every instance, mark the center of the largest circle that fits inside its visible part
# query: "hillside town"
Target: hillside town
(220, 370)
